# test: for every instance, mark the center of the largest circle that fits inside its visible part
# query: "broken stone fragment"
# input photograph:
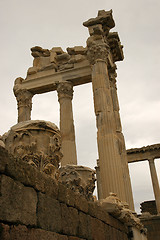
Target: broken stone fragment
(41, 62)
(31, 70)
(63, 56)
(39, 52)
(57, 50)
(66, 66)
(53, 57)
(104, 17)
(76, 50)
(1, 142)
(48, 67)
(95, 29)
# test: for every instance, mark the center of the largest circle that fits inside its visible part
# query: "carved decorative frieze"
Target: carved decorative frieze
(65, 90)
(78, 178)
(36, 142)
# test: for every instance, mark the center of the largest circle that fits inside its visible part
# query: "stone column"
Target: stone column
(120, 138)
(155, 183)
(65, 95)
(111, 173)
(99, 187)
(24, 103)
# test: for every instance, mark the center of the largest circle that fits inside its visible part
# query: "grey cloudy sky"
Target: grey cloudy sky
(50, 23)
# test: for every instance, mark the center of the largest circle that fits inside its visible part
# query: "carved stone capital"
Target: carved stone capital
(65, 90)
(24, 98)
(36, 142)
(78, 178)
(97, 50)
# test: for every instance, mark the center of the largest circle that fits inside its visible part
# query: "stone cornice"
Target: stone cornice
(143, 153)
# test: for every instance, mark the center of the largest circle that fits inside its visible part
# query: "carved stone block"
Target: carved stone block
(36, 142)
(78, 178)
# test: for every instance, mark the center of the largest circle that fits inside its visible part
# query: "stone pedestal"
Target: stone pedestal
(65, 95)
(155, 183)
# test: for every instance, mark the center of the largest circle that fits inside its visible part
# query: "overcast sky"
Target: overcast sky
(51, 23)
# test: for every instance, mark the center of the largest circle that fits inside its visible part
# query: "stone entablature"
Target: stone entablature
(51, 67)
(143, 153)
(149, 153)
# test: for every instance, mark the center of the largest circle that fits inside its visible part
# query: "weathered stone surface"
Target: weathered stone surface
(49, 213)
(4, 159)
(18, 203)
(66, 195)
(100, 213)
(80, 179)
(83, 230)
(21, 232)
(70, 220)
(74, 238)
(36, 142)
(57, 50)
(81, 203)
(96, 229)
(4, 232)
(27, 174)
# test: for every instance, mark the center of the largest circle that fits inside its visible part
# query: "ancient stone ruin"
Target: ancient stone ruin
(44, 193)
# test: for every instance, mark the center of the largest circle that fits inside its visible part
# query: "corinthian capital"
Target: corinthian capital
(65, 90)
(24, 98)
(97, 49)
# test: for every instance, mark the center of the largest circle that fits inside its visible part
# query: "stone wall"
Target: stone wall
(34, 206)
(152, 223)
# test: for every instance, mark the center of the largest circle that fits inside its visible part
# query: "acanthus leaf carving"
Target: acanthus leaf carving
(65, 89)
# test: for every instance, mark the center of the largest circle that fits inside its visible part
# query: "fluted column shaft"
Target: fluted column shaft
(155, 183)
(120, 139)
(65, 95)
(111, 174)
(99, 187)
(24, 102)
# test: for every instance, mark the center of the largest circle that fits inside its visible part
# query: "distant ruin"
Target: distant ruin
(41, 160)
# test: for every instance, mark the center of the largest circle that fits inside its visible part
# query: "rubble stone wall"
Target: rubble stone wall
(34, 206)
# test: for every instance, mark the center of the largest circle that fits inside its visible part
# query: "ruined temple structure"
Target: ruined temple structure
(44, 193)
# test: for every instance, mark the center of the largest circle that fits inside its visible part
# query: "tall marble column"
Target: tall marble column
(24, 103)
(111, 173)
(65, 95)
(155, 183)
(120, 138)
